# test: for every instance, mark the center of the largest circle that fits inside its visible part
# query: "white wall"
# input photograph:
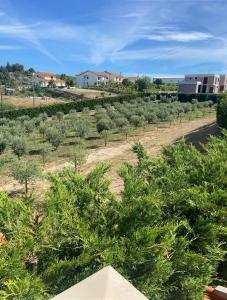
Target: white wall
(89, 78)
(86, 79)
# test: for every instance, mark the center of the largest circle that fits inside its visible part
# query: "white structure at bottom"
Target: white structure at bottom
(106, 284)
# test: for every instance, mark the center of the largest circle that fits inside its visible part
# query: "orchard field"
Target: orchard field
(44, 141)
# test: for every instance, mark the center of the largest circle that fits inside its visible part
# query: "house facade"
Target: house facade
(114, 77)
(90, 78)
(45, 77)
(203, 83)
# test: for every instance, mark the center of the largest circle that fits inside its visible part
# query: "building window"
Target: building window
(204, 89)
(205, 80)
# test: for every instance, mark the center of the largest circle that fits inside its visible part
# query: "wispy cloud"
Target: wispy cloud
(12, 27)
(132, 15)
(177, 53)
(179, 36)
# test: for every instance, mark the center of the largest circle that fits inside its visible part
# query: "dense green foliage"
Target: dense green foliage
(166, 234)
(222, 113)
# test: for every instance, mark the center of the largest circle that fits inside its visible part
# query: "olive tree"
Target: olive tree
(137, 121)
(19, 146)
(126, 130)
(103, 124)
(24, 171)
(44, 151)
(106, 135)
(54, 137)
(60, 116)
(82, 128)
(78, 155)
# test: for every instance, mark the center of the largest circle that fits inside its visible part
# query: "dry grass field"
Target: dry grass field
(86, 93)
(26, 102)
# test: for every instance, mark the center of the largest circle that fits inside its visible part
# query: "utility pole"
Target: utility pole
(33, 89)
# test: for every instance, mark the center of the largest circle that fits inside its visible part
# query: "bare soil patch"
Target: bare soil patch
(89, 93)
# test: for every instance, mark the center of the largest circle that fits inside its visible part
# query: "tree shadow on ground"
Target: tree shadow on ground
(201, 135)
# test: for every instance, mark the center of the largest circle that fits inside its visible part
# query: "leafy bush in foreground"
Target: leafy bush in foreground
(167, 233)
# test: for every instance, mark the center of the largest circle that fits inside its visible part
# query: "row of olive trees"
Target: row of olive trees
(140, 112)
(44, 135)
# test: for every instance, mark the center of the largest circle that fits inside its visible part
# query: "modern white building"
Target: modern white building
(89, 78)
(203, 83)
(45, 77)
(169, 79)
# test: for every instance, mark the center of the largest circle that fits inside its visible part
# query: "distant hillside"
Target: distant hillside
(15, 76)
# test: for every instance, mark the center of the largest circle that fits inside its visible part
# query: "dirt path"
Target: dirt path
(117, 153)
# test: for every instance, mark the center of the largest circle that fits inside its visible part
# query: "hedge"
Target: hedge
(66, 107)
(91, 103)
(188, 97)
(222, 112)
(200, 97)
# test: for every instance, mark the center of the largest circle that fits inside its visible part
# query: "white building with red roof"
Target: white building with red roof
(89, 78)
(44, 78)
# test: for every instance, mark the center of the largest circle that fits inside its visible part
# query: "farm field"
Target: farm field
(116, 153)
(104, 134)
(25, 102)
(89, 93)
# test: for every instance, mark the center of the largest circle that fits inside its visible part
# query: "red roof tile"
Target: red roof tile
(46, 74)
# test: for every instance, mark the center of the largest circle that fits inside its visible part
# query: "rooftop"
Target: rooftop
(46, 74)
(106, 284)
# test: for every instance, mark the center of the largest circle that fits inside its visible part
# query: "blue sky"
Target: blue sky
(153, 37)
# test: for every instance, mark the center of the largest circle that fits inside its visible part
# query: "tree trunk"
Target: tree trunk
(26, 186)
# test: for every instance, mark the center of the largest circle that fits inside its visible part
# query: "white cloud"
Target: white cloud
(177, 53)
(179, 36)
(131, 15)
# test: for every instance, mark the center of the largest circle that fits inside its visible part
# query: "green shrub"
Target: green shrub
(222, 113)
